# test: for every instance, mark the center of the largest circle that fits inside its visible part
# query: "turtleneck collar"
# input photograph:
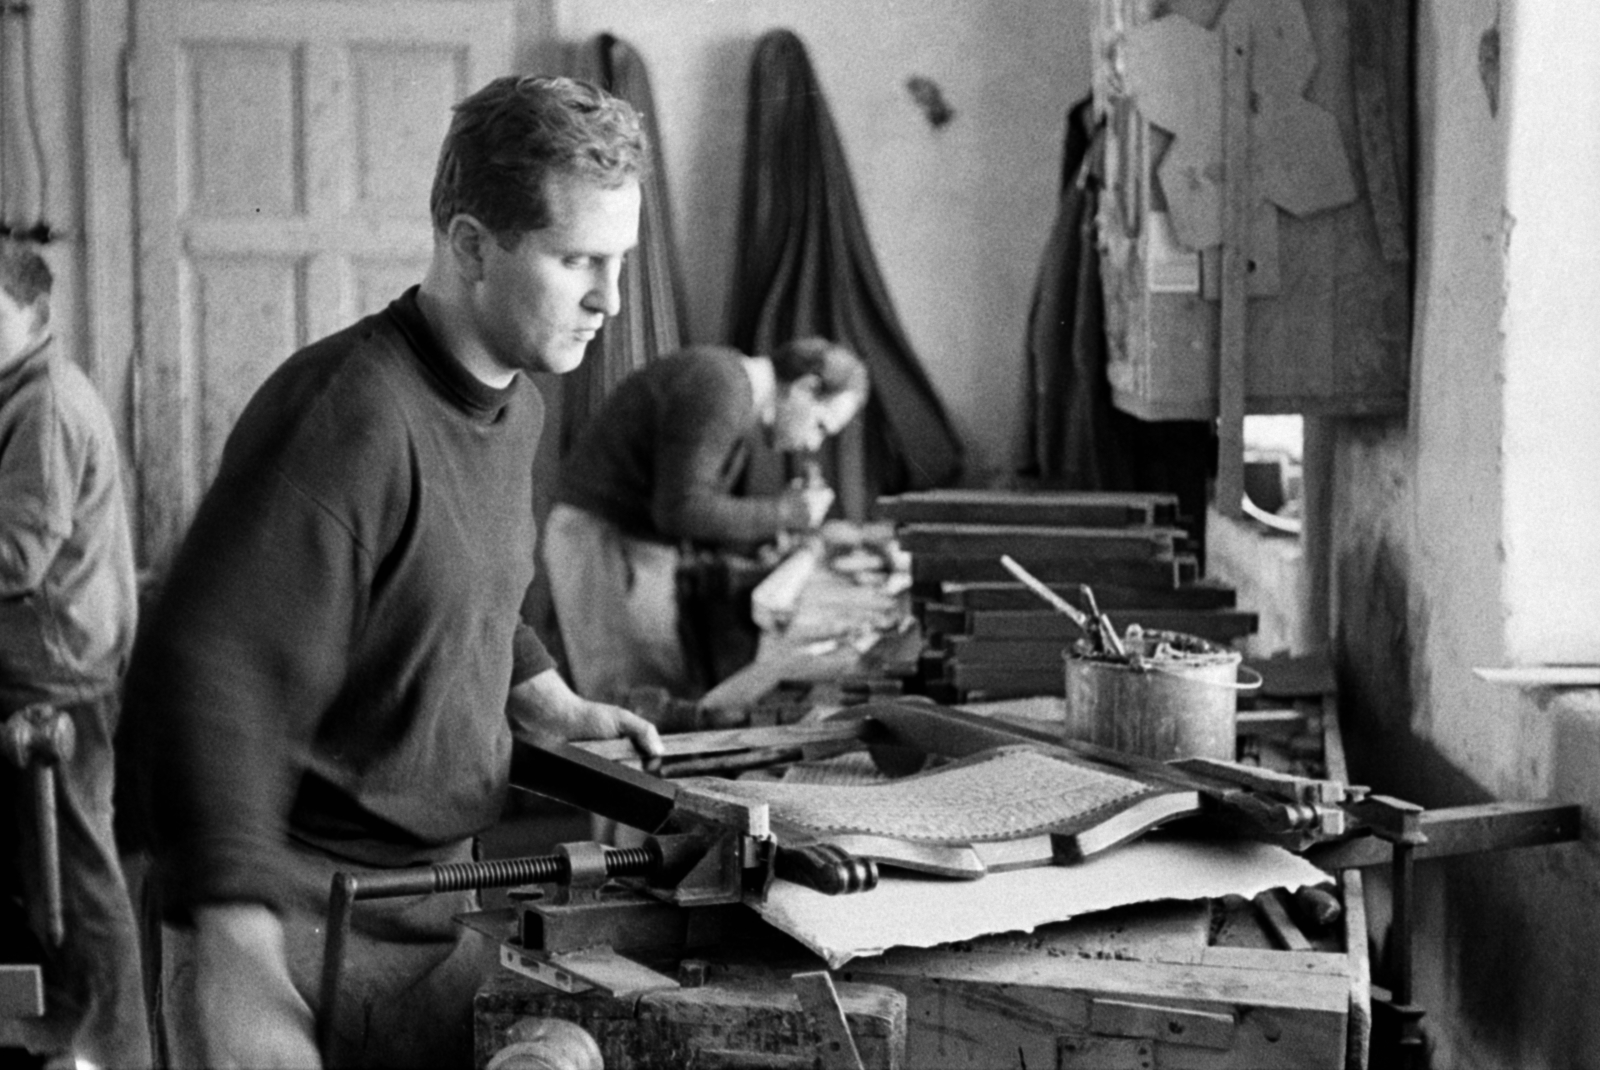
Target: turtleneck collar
(461, 386)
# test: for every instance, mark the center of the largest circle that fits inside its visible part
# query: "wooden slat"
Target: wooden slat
(1238, 201)
(1542, 675)
(1352, 894)
(1029, 543)
(966, 650)
(1459, 830)
(930, 570)
(1054, 508)
(724, 740)
(1007, 681)
(978, 595)
(1217, 625)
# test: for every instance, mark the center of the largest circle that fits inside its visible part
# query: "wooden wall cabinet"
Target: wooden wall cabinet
(1323, 227)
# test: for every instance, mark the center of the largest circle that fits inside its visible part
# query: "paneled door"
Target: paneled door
(284, 153)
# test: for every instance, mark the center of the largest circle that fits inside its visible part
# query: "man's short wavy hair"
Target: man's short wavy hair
(837, 370)
(507, 140)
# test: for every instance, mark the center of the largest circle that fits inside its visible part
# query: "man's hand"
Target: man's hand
(247, 1009)
(819, 500)
(544, 703)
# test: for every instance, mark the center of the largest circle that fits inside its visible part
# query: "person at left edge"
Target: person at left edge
(336, 667)
(67, 614)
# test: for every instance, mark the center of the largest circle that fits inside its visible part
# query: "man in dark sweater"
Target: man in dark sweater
(661, 464)
(336, 667)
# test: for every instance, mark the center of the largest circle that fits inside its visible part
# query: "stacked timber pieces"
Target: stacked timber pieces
(986, 636)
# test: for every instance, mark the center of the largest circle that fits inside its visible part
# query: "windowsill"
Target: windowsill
(1554, 676)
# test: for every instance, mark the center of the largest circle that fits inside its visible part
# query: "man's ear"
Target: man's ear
(468, 240)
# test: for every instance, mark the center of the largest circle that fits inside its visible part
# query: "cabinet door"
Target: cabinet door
(284, 154)
(1327, 324)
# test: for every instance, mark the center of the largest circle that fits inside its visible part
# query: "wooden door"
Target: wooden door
(284, 154)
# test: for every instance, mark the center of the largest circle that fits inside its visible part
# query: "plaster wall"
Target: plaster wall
(1450, 530)
(956, 214)
(1552, 381)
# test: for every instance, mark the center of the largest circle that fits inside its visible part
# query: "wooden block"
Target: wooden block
(1279, 924)
(606, 971)
(1012, 595)
(752, 1020)
(21, 992)
(1090, 509)
(1028, 544)
(997, 1009)
(1284, 721)
(726, 811)
(931, 570)
(821, 1001)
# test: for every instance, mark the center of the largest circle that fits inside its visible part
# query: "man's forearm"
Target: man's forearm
(543, 704)
(248, 1011)
(532, 702)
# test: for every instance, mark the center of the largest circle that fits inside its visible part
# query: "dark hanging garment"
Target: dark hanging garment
(1071, 438)
(804, 266)
(650, 323)
(1077, 439)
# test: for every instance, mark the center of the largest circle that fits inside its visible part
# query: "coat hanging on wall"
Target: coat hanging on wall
(1076, 439)
(650, 324)
(804, 266)
(24, 181)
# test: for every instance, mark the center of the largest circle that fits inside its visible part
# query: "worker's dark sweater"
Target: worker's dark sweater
(333, 649)
(664, 456)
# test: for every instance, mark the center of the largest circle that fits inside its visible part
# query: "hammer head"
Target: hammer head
(38, 734)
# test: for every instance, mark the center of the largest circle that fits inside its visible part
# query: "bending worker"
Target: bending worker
(660, 464)
(335, 671)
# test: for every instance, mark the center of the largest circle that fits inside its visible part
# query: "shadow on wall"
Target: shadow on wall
(1372, 654)
(1489, 968)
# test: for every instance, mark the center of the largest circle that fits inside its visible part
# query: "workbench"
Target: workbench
(1276, 981)
(1173, 985)
(1206, 983)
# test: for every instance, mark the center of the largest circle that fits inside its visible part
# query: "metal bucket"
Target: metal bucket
(1177, 700)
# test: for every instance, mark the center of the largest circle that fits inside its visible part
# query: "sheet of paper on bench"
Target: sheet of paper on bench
(909, 911)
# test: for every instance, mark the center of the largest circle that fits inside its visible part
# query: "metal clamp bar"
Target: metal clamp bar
(347, 888)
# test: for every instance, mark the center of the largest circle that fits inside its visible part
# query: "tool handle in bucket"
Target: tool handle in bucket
(1038, 587)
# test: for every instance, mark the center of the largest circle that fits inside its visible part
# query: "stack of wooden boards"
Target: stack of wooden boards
(986, 636)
